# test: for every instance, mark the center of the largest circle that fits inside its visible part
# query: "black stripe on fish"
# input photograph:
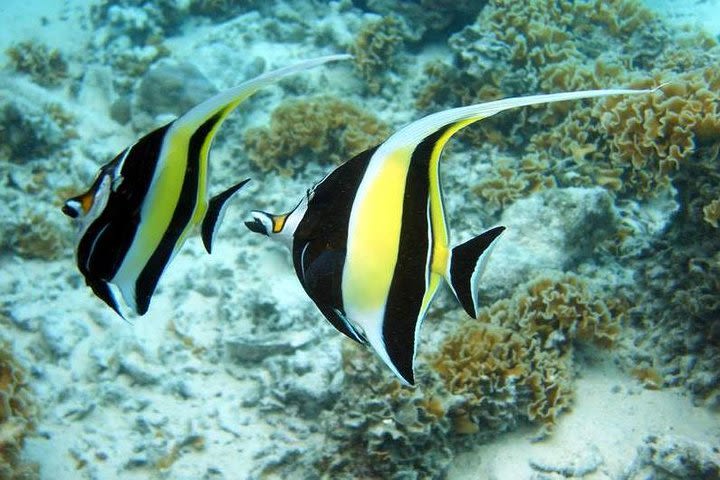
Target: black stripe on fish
(410, 278)
(106, 241)
(186, 204)
(320, 240)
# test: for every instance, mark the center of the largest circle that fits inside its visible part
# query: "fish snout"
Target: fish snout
(261, 223)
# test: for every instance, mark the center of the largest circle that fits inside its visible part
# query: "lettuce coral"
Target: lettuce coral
(516, 362)
(330, 129)
(634, 146)
(375, 49)
(17, 417)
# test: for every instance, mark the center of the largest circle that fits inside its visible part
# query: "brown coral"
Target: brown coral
(46, 66)
(516, 361)
(711, 213)
(17, 413)
(375, 49)
(511, 179)
(332, 130)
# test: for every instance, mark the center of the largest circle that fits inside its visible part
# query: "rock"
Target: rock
(61, 334)
(551, 230)
(255, 349)
(169, 88)
(580, 464)
(674, 457)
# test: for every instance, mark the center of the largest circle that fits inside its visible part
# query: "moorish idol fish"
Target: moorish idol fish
(143, 204)
(370, 243)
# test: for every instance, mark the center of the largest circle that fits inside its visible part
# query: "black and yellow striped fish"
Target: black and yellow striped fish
(370, 242)
(146, 201)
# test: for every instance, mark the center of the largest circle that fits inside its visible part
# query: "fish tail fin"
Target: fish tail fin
(225, 102)
(452, 120)
(465, 266)
(215, 213)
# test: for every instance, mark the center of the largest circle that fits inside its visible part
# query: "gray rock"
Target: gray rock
(673, 457)
(552, 230)
(169, 88)
(583, 463)
(61, 334)
(141, 372)
(254, 349)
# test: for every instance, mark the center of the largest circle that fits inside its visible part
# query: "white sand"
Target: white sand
(611, 424)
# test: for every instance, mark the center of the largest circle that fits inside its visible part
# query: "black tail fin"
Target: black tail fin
(215, 213)
(467, 262)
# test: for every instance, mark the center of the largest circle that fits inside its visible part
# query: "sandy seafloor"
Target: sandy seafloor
(172, 394)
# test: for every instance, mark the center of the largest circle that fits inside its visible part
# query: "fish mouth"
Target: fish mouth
(256, 226)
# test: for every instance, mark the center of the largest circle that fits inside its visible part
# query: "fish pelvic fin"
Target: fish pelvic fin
(215, 213)
(467, 262)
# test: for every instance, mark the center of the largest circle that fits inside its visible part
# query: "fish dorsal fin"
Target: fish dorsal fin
(456, 118)
(215, 214)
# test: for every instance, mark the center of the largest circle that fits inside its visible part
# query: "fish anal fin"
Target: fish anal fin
(104, 293)
(467, 262)
(215, 214)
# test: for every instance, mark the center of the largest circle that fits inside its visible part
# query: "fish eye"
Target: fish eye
(71, 208)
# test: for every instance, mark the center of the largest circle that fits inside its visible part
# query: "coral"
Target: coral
(379, 429)
(653, 136)
(711, 212)
(428, 17)
(46, 66)
(511, 179)
(376, 47)
(516, 362)
(31, 131)
(220, 9)
(36, 235)
(633, 145)
(17, 417)
(558, 311)
(330, 129)
(502, 377)
(130, 36)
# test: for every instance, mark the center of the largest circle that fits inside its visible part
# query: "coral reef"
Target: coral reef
(17, 417)
(503, 377)
(375, 49)
(516, 362)
(428, 17)
(511, 179)
(378, 429)
(328, 129)
(632, 145)
(46, 66)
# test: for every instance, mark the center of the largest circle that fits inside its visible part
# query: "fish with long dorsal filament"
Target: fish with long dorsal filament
(370, 242)
(145, 202)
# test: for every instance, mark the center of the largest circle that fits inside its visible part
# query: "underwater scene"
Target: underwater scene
(456, 240)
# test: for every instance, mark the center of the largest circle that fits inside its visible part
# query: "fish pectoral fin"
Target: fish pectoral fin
(215, 214)
(467, 262)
